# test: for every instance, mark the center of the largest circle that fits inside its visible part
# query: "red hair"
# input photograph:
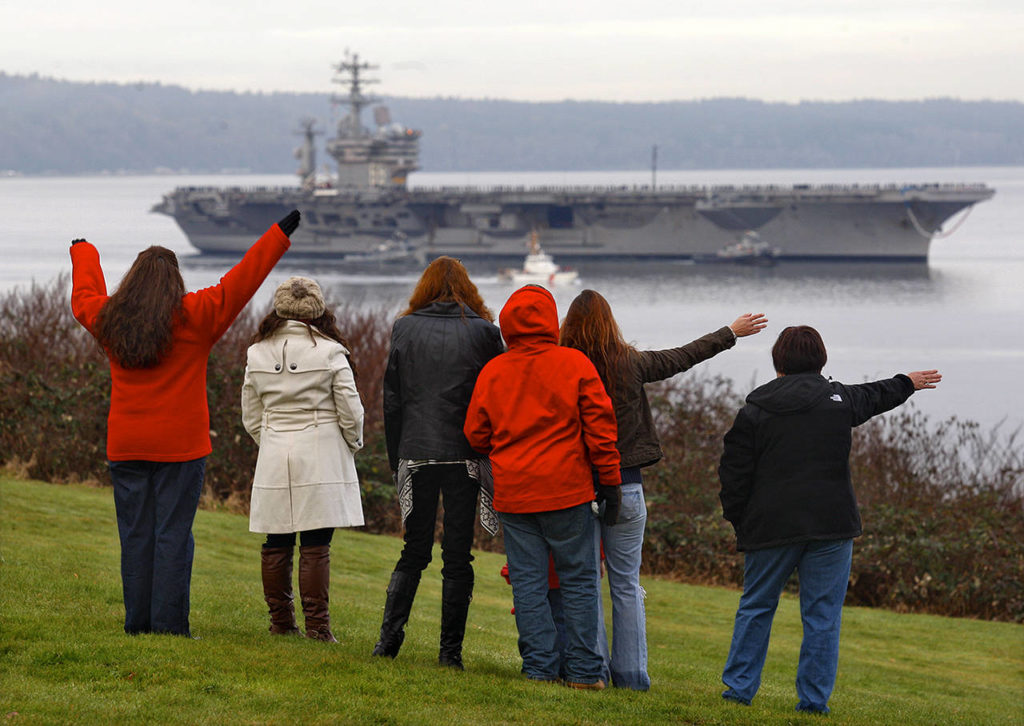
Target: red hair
(590, 327)
(446, 280)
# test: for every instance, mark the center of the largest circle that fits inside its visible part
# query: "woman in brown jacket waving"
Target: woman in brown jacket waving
(590, 327)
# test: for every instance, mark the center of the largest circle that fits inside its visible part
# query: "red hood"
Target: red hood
(530, 315)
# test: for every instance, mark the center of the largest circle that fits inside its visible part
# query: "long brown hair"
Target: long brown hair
(136, 324)
(446, 280)
(590, 327)
(326, 324)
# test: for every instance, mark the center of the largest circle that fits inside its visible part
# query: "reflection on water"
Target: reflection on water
(793, 287)
(795, 281)
(781, 270)
(681, 272)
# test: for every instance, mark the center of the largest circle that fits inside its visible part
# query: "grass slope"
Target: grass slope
(64, 657)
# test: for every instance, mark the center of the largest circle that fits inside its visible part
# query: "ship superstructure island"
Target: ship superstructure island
(368, 204)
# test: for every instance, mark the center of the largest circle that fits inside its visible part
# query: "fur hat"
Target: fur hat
(299, 298)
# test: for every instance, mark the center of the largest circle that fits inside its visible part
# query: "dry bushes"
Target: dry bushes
(943, 505)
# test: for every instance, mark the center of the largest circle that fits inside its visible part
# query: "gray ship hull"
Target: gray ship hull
(867, 223)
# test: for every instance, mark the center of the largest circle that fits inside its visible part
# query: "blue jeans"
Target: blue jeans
(558, 615)
(623, 543)
(568, 535)
(156, 505)
(823, 568)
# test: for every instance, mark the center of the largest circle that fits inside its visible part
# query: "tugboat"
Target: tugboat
(750, 250)
(539, 268)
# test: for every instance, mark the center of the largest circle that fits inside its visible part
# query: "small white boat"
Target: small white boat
(539, 268)
(750, 250)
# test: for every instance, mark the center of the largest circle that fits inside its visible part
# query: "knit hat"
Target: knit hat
(299, 298)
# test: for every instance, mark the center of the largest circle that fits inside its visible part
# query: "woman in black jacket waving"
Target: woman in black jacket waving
(438, 346)
(786, 489)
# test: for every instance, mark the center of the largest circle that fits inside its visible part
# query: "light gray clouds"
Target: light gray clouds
(633, 50)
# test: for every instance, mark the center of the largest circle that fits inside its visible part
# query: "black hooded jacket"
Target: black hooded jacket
(785, 470)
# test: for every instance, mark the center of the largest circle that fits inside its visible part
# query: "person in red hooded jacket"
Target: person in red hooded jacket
(540, 412)
(158, 339)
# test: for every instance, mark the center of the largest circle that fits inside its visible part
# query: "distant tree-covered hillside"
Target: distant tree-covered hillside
(53, 126)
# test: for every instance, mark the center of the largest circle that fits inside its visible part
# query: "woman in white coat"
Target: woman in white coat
(300, 404)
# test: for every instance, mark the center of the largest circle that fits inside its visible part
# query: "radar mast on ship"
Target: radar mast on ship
(306, 154)
(381, 158)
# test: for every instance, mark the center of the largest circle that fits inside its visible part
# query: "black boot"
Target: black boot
(277, 589)
(455, 599)
(401, 592)
(315, 590)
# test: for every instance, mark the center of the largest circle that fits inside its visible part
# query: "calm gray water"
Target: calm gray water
(960, 313)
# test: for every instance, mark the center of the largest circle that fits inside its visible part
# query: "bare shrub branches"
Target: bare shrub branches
(942, 503)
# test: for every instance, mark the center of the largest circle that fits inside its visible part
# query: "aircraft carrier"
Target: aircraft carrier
(368, 207)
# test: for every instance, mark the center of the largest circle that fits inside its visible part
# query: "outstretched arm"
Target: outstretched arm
(871, 399)
(657, 365)
(216, 307)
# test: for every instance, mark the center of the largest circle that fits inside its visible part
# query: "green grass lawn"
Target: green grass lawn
(65, 659)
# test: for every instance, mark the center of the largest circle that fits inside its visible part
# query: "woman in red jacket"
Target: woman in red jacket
(158, 339)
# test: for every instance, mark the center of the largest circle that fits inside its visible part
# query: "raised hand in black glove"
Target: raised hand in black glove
(76, 241)
(612, 498)
(290, 222)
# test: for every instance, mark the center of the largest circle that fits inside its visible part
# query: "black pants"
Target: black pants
(310, 538)
(459, 491)
(156, 503)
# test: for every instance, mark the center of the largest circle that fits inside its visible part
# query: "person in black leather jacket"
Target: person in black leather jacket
(787, 490)
(438, 346)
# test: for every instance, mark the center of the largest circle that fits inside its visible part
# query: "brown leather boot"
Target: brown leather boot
(314, 588)
(277, 589)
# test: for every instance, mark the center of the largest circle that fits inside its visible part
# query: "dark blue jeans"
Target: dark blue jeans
(156, 505)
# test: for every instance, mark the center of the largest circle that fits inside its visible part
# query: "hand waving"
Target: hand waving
(749, 324)
(924, 379)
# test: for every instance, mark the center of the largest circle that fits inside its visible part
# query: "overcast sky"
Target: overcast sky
(630, 50)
